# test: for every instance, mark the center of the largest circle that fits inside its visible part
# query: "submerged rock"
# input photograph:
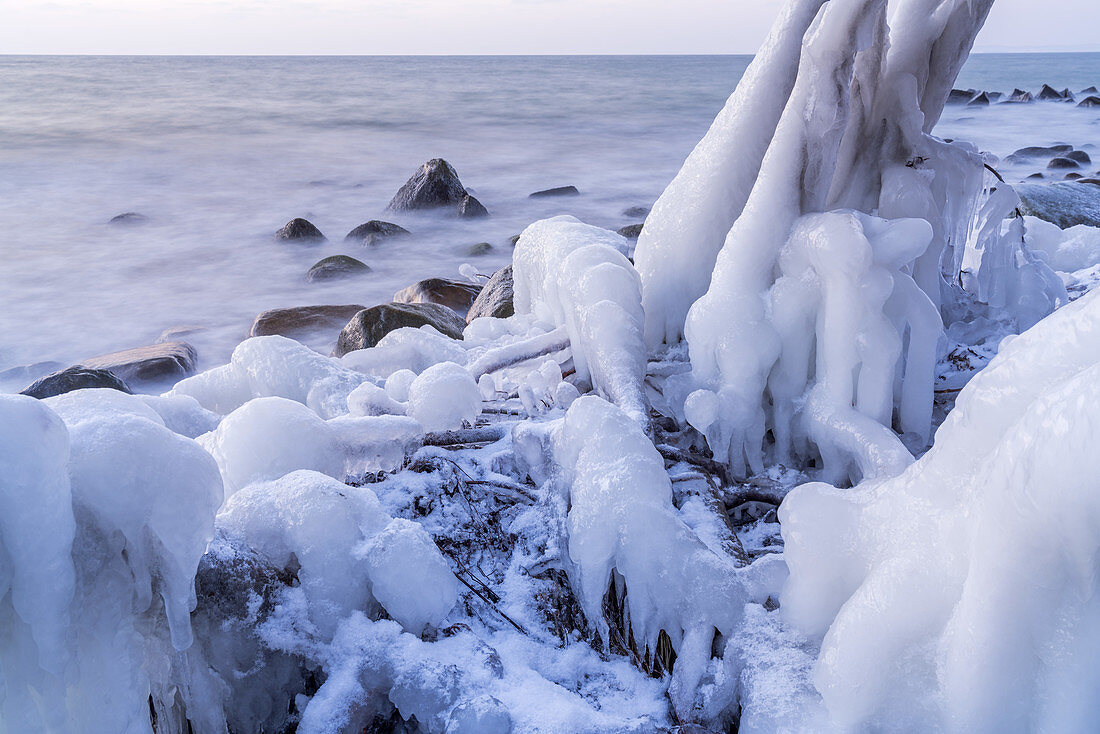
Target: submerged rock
(1019, 96)
(336, 266)
(495, 298)
(368, 326)
(1035, 152)
(166, 360)
(436, 185)
(1062, 163)
(556, 191)
(299, 230)
(455, 294)
(961, 96)
(636, 211)
(481, 248)
(980, 100)
(128, 218)
(301, 319)
(1050, 94)
(75, 378)
(1089, 102)
(1080, 156)
(374, 231)
(1065, 203)
(631, 231)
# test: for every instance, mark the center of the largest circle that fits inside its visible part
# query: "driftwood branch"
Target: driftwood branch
(463, 436)
(512, 354)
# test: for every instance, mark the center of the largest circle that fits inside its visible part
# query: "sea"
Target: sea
(217, 153)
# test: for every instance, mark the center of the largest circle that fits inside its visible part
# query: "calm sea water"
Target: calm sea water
(219, 152)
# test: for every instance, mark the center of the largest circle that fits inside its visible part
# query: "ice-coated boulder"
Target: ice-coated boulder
(495, 298)
(443, 397)
(74, 378)
(454, 294)
(1063, 203)
(367, 327)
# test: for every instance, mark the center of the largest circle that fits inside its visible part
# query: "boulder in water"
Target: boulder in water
(368, 326)
(455, 294)
(127, 218)
(1092, 101)
(299, 230)
(556, 191)
(471, 208)
(1078, 155)
(961, 96)
(481, 248)
(495, 298)
(156, 362)
(1064, 203)
(636, 211)
(301, 320)
(336, 266)
(436, 185)
(631, 231)
(74, 378)
(374, 231)
(1063, 163)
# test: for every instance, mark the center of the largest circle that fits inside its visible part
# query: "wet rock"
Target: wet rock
(374, 231)
(1063, 163)
(1073, 176)
(1019, 96)
(495, 298)
(961, 96)
(1037, 152)
(74, 378)
(1090, 90)
(1036, 176)
(481, 248)
(1078, 155)
(636, 211)
(128, 218)
(556, 191)
(368, 326)
(156, 362)
(335, 267)
(436, 185)
(301, 320)
(631, 231)
(177, 333)
(1065, 203)
(299, 230)
(1067, 95)
(471, 208)
(513, 240)
(1089, 102)
(1049, 94)
(980, 100)
(454, 294)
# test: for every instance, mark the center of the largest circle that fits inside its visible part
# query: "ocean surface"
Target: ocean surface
(219, 152)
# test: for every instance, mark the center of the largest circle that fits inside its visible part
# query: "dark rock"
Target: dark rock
(1063, 163)
(367, 327)
(1065, 203)
(1036, 152)
(1090, 90)
(1090, 102)
(128, 218)
(1036, 176)
(454, 294)
(176, 333)
(1090, 180)
(336, 266)
(299, 230)
(980, 100)
(636, 211)
(1078, 155)
(471, 208)
(1067, 95)
(631, 231)
(481, 248)
(374, 231)
(1073, 176)
(74, 378)
(1050, 94)
(167, 360)
(513, 240)
(495, 298)
(433, 186)
(557, 191)
(960, 96)
(303, 319)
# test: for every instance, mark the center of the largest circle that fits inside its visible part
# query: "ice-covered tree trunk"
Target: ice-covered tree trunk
(817, 334)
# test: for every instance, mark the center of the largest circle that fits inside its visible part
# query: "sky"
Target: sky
(464, 26)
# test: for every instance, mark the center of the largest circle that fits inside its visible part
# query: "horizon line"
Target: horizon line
(992, 51)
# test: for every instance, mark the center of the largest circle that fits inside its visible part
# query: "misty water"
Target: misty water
(219, 152)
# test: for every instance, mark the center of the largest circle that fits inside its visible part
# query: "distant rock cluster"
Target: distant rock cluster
(979, 98)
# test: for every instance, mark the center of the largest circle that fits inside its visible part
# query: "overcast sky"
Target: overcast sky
(464, 26)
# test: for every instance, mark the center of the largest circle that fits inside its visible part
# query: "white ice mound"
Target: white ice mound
(576, 276)
(268, 437)
(622, 520)
(273, 366)
(346, 545)
(103, 525)
(443, 397)
(1067, 250)
(405, 349)
(962, 595)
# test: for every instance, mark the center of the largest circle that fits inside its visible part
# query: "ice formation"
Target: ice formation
(444, 396)
(961, 595)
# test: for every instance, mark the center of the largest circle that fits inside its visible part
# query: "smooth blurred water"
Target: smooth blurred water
(219, 152)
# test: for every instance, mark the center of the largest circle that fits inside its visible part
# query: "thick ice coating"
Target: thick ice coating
(961, 595)
(572, 275)
(443, 397)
